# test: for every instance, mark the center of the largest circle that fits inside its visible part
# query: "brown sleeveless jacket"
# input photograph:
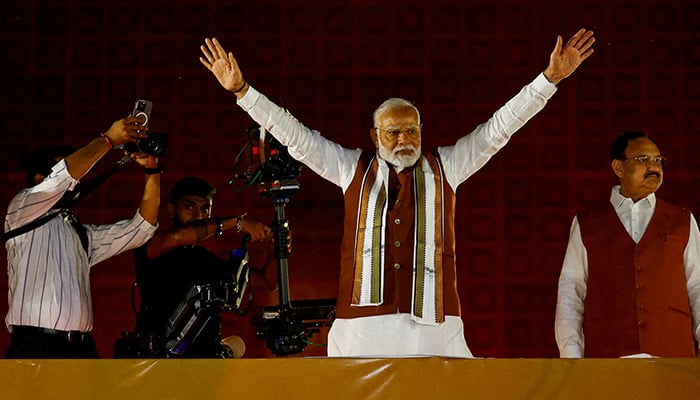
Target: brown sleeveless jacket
(637, 300)
(399, 230)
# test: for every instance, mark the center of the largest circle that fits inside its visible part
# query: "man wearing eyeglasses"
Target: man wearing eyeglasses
(398, 288)
(630, 281)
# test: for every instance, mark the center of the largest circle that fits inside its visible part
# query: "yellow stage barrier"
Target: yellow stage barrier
(337, 378)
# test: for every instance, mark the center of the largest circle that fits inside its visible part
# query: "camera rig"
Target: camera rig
(204, 301)
(285, 328)
(190, 319)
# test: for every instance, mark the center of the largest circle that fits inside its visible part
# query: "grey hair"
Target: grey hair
(390, 104)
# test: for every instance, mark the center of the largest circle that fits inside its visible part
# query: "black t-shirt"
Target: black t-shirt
(163, 284)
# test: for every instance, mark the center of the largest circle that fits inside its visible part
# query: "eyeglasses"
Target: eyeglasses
(648, 160)
(411, 132)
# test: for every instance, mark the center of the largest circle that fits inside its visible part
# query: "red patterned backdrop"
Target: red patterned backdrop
(71, 68)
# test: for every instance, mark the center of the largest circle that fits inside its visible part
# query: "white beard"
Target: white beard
(399, 160)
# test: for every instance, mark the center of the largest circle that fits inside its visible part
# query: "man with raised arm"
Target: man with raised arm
(398, 287)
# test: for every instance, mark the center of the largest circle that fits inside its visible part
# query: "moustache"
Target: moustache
(403, 148)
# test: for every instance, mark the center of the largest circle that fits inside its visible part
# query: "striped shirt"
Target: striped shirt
(48, 269)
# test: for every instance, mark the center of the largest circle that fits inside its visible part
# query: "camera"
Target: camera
(276, 163)
(157, 142)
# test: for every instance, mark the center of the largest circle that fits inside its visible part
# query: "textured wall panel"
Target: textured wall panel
(481, 264)
(482, 334)
(480, 298)
(481, 228)
(518, 194)
(519, 263)
(554, 192)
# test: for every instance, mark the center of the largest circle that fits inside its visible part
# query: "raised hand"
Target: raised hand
(565, 59)
(125, 130)
(223, 65)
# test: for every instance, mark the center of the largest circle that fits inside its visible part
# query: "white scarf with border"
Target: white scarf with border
(370, 240)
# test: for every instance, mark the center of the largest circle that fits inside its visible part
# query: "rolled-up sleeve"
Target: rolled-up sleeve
(33, 202)
(112, 239)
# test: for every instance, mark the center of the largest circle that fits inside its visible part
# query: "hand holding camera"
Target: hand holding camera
(125, 130)
(153, 143)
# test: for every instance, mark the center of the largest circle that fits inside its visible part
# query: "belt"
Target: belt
(69, 336)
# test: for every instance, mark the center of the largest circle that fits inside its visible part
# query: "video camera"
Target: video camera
(270, 166)
(285, 328)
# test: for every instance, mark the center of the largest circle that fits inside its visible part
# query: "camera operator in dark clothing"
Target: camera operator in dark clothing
(171, 263)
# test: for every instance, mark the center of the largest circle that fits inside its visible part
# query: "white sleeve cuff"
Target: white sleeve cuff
(249, 99)
(542, 85)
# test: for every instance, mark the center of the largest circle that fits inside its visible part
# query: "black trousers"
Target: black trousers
(33, 342)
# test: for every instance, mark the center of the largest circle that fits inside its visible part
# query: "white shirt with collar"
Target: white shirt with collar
(635, 218)
(48, 269)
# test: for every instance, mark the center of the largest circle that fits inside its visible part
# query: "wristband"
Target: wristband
(151, 171)
(109, 141)
(240, 88)
(219, 226)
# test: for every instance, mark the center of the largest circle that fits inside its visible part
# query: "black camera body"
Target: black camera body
(275, 163)
(157, 142)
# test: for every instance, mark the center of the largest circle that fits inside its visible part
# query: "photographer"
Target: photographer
(171, 263)
(49, 254)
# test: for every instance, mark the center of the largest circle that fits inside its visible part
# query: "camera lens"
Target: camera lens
(155, 144)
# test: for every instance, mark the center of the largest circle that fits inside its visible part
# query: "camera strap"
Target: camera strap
(64, 205)
(82, 189)
(66, 213)
(30, 226)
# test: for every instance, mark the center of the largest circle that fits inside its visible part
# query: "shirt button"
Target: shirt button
(397, 221)
(641, 324)
(397, 266)
(397, 244)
